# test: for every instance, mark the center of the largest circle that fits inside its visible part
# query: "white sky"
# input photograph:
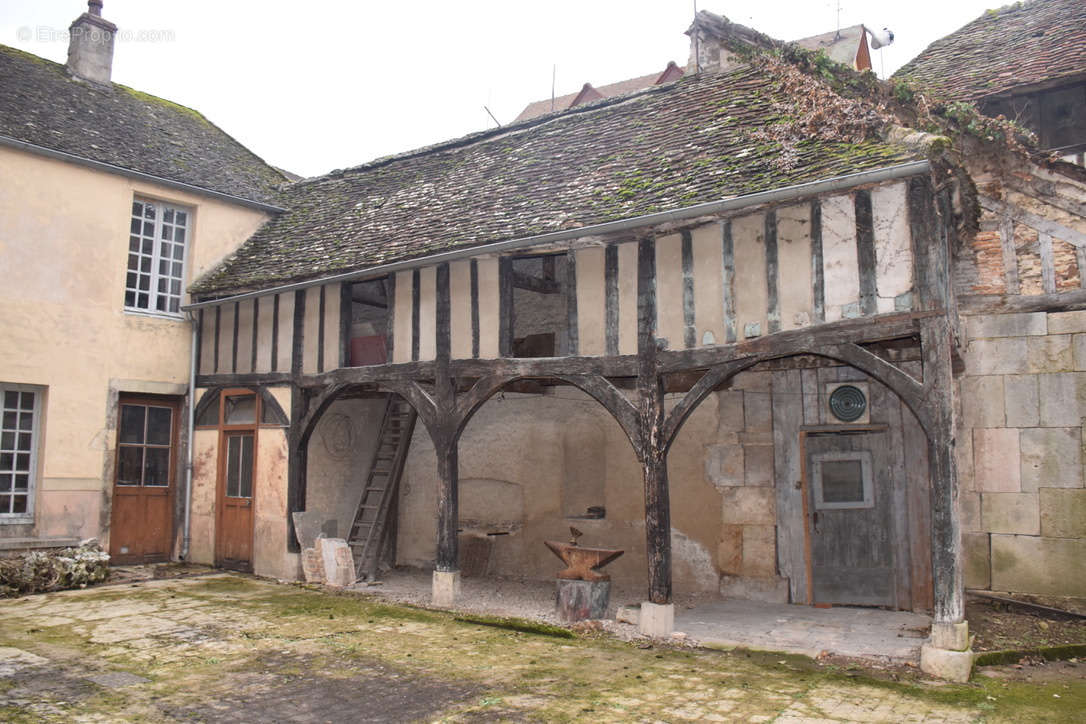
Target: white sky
(313, 85)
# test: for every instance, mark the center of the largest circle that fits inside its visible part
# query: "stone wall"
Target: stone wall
(1020, 452)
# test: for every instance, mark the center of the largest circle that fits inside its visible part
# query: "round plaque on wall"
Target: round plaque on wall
(847, 403)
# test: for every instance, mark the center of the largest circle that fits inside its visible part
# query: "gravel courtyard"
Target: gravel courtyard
(234, 648)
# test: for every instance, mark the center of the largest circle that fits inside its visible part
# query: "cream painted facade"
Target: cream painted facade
(64, 234)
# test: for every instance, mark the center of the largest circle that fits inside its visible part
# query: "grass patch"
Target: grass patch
(516, 624)
(1048, 653)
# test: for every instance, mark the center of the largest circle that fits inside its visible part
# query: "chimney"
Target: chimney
(90, 47)
(718, 44)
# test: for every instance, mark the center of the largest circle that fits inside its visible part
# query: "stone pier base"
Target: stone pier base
(656, 620)
(947, 654)
(446, 588)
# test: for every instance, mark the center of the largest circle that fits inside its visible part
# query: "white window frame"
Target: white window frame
(35, 445)
(154, 274)
(864, 458)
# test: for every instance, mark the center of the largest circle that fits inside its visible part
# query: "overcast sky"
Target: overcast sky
(314, 85)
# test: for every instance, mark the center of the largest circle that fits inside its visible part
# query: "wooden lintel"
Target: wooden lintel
(539, 285)
(999, 303)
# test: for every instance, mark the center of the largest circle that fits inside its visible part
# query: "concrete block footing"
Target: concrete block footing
(656, 620)
(945, 664)
(446, 588)
(950, 636)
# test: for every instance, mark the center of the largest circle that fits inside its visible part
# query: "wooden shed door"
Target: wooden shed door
(235, 538)
(141, 527)
(850, 484)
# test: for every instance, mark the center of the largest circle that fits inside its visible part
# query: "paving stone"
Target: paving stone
(1046, 566)
(1010, 513)
(1022, 402)
(1067, 322)
(116, 679)
(1006, 325)
(1006, 356)
(977, 560)
(1063, 513)
(1051, 458)
(996, 463)
(1050, 354)
(982, 401)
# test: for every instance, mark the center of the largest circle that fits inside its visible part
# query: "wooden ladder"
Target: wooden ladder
(368, 537)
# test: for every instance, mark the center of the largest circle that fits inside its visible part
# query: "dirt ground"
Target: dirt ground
(998, 626)
(236, 648)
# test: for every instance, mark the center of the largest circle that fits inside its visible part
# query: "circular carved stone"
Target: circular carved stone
(847, 403)
(336, 435)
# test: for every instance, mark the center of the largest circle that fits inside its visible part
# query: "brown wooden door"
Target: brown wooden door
(237, 470)
(854, 551)
(141, 527)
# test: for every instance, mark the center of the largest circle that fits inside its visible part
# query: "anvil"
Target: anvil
(581, 560)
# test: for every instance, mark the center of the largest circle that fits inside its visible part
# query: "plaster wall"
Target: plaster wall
(427, 312)
(460, 313)
(669, 291)
(591, 302)
(627, 298)
(751, 292)
(311, 329)
(270, 556)
(1019, 450)
(488, 308)
(839, 258)
(64, 325)
(795, 285)
(401, 320)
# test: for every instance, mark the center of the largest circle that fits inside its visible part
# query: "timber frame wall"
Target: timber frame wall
(446, 391)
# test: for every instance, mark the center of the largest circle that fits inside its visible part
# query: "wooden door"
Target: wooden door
(853, 547)
(237, 470)
(141, 521)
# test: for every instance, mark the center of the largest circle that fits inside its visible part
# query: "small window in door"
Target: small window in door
(239, 466)
(143, 445)
(843, 480)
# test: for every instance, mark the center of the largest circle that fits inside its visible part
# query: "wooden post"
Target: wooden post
(652, 452)
(946, 557)
(448, 510)
(445, 442)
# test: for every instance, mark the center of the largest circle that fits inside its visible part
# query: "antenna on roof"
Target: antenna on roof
(492, 116)
(697, 45)
(554, 74)
(838, 35)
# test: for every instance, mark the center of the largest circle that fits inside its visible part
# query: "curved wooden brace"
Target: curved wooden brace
(712, 378)
(304, 427)
(911, 391)
(421, 400)
(469, 402)
(622, 410)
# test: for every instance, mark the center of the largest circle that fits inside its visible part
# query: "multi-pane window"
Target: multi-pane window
(143, 445)
(239, 465)
(156, 257)
(18, 448)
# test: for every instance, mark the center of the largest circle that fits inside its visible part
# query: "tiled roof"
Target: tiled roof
(702, 138)
(561, 103)
(1016, 46)
(41, 104)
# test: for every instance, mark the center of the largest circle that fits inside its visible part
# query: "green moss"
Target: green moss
(155, 100)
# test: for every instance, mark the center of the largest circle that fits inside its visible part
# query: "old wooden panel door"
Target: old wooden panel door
(141, 529)
(237, 468)
(850, 481)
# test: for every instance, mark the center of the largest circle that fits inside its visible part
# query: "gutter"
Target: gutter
(138, 175)
(784, 194)
(190, 456)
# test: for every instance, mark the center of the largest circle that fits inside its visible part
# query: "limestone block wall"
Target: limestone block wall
(1020, 452)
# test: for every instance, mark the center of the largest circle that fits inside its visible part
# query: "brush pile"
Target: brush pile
(40, 571)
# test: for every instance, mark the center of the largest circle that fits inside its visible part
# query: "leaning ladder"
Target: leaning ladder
(368, 532)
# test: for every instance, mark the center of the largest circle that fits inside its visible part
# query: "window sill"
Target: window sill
(16, 519)
(154, 315)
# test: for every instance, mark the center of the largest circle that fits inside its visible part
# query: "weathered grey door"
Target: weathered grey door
(850, 482)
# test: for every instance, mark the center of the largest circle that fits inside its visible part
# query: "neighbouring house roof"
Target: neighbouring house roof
(1017, 46)
(589, 93)
(41, 104)
(842, 46)
(702, 138)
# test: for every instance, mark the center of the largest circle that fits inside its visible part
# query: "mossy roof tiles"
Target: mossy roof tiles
(699, 139)
(41, 104)
(1017, 46)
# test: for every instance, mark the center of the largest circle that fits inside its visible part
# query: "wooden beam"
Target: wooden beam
(690, 331)
(245, 379)
(505, 306)
(346, 314)
(320, 328)
(297, 343)
(1048, 265)
(926, 243)
(475, 308)
(416, 303)
(539, 285)
(234, 344)
(728, 286)
(610, 280)
(818, 272)
(1010, 254)
(1052, 228)
(865, 252)
(389, 283)
(199, 341)
(772, 272)
(573, 341)
(255, 333)
(275, 334)
(999, 303)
